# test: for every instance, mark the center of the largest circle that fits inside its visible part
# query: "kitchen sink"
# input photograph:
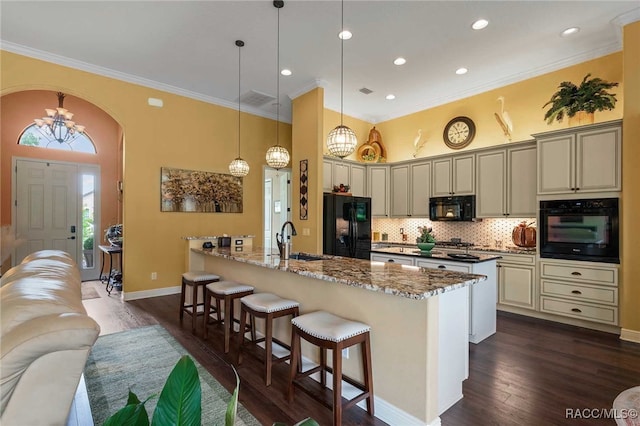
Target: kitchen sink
(304, 257)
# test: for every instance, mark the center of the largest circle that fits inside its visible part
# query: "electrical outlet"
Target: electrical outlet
(154, 276)
(345, 353)
(306, 231)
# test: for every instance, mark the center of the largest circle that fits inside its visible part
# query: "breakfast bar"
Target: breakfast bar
(419, 320)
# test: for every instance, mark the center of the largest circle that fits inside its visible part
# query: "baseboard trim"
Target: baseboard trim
(145, 294)
(560, 319)
(630, 335)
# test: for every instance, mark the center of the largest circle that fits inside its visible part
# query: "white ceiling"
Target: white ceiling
(189, 47)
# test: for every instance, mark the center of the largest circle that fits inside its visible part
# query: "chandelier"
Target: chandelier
(278, 156)
(239, 167)
(341, 141)
(57, 125)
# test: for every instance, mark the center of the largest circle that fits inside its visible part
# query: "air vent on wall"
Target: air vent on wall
(255, 99)
(365, 91)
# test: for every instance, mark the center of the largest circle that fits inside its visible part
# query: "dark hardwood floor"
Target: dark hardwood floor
(529, 373)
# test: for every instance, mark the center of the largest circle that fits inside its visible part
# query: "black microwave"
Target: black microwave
(460, 209)
(585, 229)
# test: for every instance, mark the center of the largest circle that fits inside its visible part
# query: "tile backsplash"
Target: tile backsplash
(484, 232)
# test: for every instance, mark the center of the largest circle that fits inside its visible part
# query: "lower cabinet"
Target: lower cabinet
(517, 281)
(583, 290)
(402, 260)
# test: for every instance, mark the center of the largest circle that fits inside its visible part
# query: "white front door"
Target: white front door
(48, 210)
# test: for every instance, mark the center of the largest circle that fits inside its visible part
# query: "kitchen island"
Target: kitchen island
(418, 318)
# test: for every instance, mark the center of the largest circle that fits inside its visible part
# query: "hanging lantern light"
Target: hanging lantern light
(239, 167)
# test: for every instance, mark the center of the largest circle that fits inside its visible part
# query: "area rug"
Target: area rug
(88, 291)
(141, 359)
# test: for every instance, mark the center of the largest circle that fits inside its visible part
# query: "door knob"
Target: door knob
(71, 238)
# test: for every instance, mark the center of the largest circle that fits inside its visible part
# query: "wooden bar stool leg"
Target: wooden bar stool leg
(323, 367)
(194, 306)
(268, 348)
(207, 311)
(182, 298)
(295, 351)
(228, 321)
(337, 384)
(368, 376)
(243, 321)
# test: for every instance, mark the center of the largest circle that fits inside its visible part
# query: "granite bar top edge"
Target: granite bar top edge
(414, 283)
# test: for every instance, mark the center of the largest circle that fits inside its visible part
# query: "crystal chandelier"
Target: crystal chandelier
(239, 167)
(57, 125)
(341, 141)
(278, 156)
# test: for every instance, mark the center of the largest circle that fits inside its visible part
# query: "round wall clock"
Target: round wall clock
(459, 132)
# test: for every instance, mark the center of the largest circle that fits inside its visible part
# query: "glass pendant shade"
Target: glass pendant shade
(277, 157)
(239, 167)
(341, 141)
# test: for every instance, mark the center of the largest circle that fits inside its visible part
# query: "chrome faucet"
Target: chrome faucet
(280, 237)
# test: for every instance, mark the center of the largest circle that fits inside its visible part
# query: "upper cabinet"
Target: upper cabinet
(336, 172)
(506, 182)
(453, 176)
(378, 184)
(410, 185)
(586, 159)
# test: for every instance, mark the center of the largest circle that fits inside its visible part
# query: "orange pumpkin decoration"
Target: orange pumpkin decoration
(524, 235)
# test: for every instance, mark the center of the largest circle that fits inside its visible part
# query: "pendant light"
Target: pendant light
(239, 167)
(342, 140)
(278, 156)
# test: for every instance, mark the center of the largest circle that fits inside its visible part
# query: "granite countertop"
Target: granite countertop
(216, 237)
(399, 280)
(434, 254)
(506, 249)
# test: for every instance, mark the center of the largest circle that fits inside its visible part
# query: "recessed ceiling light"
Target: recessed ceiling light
(461, 71)
(480, 24)
(345, 35)
(400, 61)
(390, 97)
(285, 72)
(569, 31)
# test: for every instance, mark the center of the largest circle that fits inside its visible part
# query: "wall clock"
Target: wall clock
(459, 132)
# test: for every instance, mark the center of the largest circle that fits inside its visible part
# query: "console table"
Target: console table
(111, 279)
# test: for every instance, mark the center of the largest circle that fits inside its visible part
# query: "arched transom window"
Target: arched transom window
(35, 136)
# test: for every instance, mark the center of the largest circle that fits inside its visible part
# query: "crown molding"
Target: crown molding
(308, 87)
(627, 18)
(128, 78)
(573, 60)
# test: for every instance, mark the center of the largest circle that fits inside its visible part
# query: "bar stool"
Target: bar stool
(267, 306)
(226, 291)
(197, 280)
(329, 331)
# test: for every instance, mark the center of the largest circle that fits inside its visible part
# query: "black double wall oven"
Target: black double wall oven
(586, 229)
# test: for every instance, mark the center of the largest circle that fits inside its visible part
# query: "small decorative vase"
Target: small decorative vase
(426, 247)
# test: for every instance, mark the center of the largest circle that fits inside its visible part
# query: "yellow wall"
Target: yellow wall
(307, 145)
(360, 128)
(523, 102)
(184, 133)
(630, 290)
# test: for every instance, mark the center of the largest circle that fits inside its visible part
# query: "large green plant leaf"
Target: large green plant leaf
(133, 414)
(180, 401)
(306, 422)
(232, 406)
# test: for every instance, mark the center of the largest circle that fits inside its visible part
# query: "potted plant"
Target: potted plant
(572, 100)
(426, 240)
(87, 251)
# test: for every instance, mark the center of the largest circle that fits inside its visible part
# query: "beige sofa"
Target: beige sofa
(46, 337)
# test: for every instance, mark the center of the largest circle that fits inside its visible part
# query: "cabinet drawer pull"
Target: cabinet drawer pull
(576, 310)
(442, 267)
(576, 273)
(390, 260)
(576, 292)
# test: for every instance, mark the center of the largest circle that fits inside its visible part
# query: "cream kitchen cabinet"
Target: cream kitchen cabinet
(410, 189)
(517, 281)
(506, 182)
(378, 190)
(336, 172)
(453, 176)
(583, 290)
(579, 160)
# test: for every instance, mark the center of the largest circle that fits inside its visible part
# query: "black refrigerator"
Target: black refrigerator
(347, 226)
